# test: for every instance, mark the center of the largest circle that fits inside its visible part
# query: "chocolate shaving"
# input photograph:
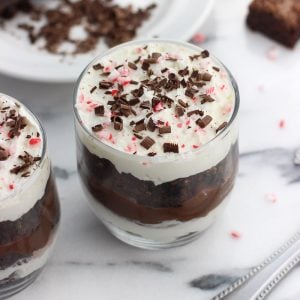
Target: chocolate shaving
(19, 124)
(118, 123)
(193, 57)
(204, 121)
(28, 160)
(195, 112)
(147, 142)
(3, 154)
(206, 98)
(98, 67)
(151, 154)
(151, 125)
(165, 129)
(134, 101)
(105, 85)
(206, 77)
(184, 72)
(204, 54)
(221, 127)
(97, 128)
(138, 136)
(93, 89)
(170, 147)
(189, 92)
(132, 66)
(99, 111)
(145, 105)
(179, 110)
(137, 60)
(138, 92)
(139, 126)
(156, 55)
(145, 66)
(216, 69)
(149, 114)
(182, 103)
(164, 70)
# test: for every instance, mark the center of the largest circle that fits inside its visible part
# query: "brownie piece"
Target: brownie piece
(278, 19)
(9, 8)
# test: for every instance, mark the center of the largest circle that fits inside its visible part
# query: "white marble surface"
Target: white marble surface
(88, 263)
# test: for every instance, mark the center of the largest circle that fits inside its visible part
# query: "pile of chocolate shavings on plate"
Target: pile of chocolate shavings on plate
(99, 20)
(122, 105)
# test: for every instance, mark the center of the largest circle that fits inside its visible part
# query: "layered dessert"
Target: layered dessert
(157, 140)
(29, 208)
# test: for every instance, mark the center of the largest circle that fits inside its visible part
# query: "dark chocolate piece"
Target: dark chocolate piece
(221, 127)
(97, 128)
(147, 142)
(171, 147)
(164, 129)
(204, 121)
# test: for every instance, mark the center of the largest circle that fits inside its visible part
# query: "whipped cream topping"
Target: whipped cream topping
(155, 99)
(21, 146)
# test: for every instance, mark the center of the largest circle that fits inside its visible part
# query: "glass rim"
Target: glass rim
(43, 152)
(157, 158)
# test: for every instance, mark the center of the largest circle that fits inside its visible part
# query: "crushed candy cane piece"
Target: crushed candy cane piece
(199, 38)
(235, 235)
(281, 124)
(273, 53)
(271, 197)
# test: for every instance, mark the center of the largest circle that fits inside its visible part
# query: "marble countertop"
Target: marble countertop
(88, 263)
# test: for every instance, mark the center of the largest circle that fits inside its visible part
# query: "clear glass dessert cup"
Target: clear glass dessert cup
(29, 219)
(148, 213)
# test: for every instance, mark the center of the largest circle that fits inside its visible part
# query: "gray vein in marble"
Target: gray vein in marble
(63, 173)
(147, 265)
(212, 281)
(156, 266)
(281, 158)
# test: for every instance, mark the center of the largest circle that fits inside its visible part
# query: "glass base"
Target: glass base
(12, 285)
(138, 241)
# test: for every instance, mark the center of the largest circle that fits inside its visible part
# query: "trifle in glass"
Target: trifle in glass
(29, 207)
(157, 140)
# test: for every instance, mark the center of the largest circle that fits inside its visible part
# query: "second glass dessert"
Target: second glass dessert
(29, 205)
(157, 140)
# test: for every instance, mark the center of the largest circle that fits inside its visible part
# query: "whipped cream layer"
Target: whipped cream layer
(156, 102)
(23, 172)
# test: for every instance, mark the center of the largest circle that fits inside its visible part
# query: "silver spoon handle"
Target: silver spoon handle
(260, 280)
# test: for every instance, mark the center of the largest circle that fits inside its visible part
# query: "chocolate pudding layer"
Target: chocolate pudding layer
(142, 201)
(21, 238)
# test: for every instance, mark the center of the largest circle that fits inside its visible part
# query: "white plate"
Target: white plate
(172, 19)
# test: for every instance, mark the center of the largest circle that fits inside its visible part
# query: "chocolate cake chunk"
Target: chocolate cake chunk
(9, 8)
(278, 19)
